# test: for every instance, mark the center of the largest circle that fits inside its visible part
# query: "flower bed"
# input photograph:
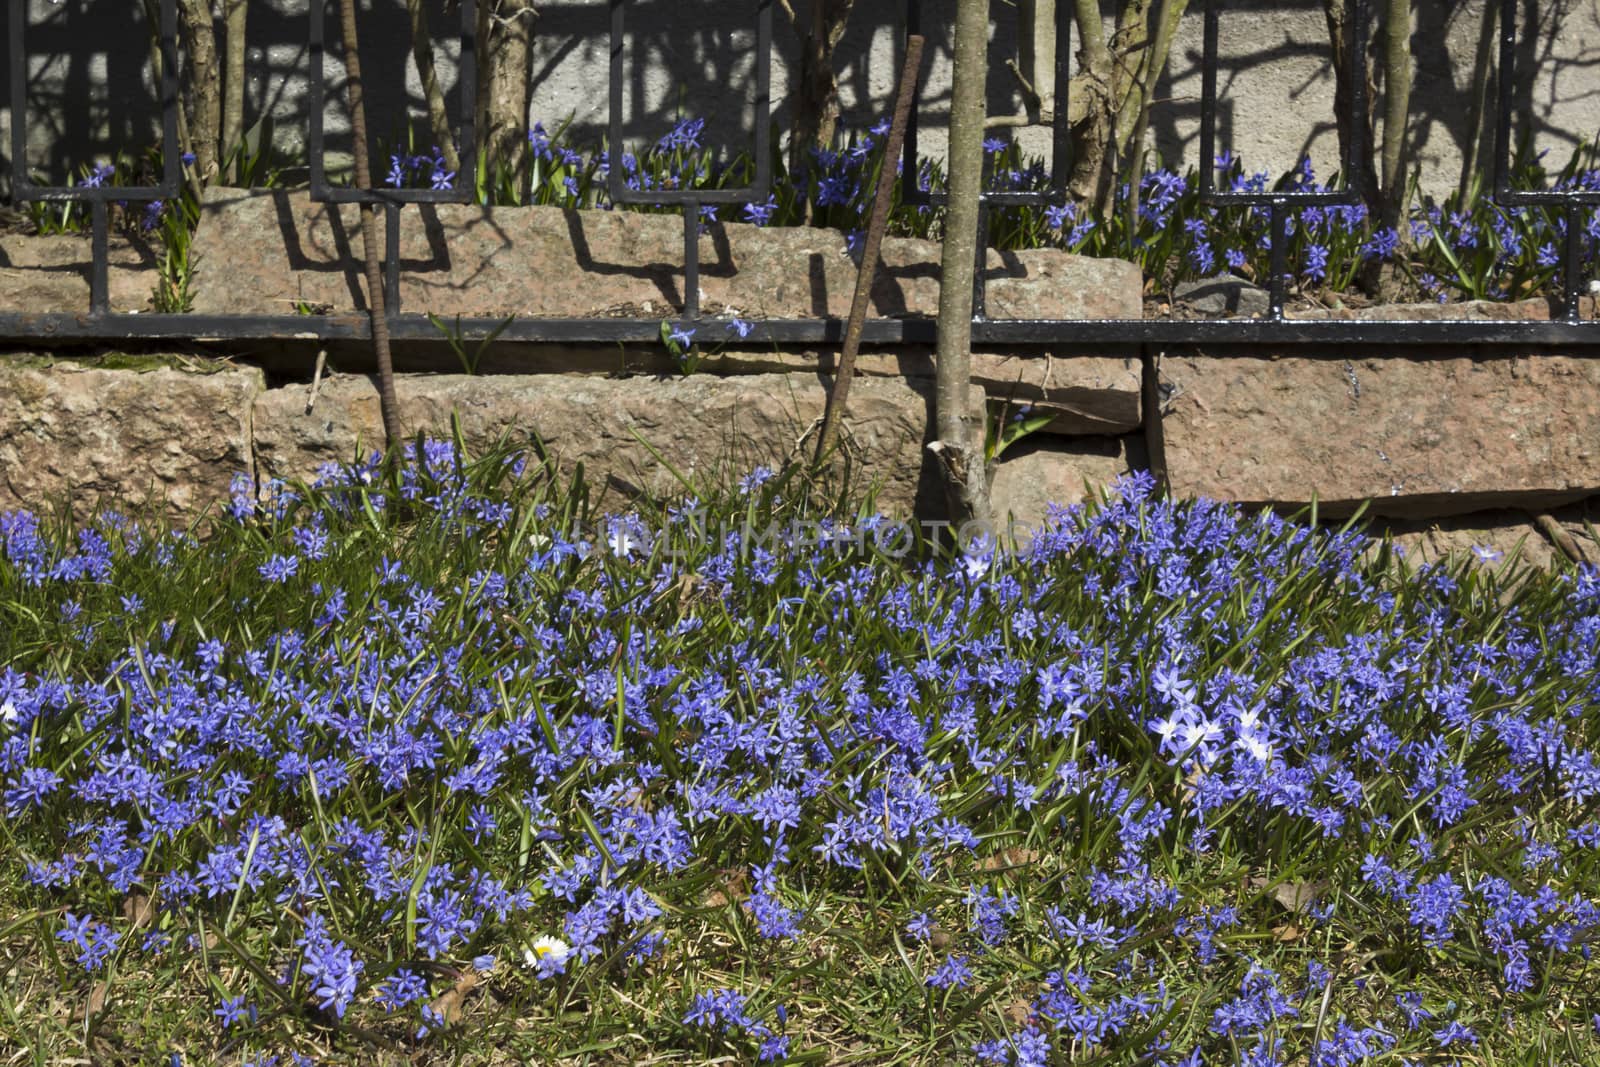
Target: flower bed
(1463, 248)
(424, 771)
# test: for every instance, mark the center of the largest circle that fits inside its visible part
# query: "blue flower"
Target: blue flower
(76, 930)
(953, 973)
(98, 177)
(280, 568)
(1316, 267)
(1454, 1033)
(539, 141)
(1382, 244)
(233, 1011)
(761, 213)
(401, 988)
(685, 136)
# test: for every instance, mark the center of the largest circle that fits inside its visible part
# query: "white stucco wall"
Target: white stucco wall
(90, 85)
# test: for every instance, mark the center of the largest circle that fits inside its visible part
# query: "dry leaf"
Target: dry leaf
(448, 1005)
(1295, 896)
(138, 909)
(735, 887)
(1010, 857)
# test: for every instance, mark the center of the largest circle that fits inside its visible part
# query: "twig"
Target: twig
(316, 378)
(871, 251)
(799, 442)
(1558, 534)
(1030, 95)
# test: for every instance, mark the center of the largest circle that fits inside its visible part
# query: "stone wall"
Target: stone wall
(1430, 440)
(160, 433)
(167, 434)
(1442, 432)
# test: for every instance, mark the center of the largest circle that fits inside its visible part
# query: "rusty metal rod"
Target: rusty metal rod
(871, 251)
(392, 431)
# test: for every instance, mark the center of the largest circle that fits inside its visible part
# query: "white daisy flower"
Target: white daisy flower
(552, 949)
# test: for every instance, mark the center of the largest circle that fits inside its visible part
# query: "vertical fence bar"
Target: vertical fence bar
(467, 73)
(17, 18)
(1277, 215)
(1574, 261)
(691, 259)
(908, 155)
(690, 201)
(171, 150)
(614, 180)
(99, 282)
(1570, 202)
(314, 138)
(980, 281)
(1355, 48)
(1060, 129)
(1208, 104)
(1503, 97)
(1277, 201)
(763, 116)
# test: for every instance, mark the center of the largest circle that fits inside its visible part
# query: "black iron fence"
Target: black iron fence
(99, 324)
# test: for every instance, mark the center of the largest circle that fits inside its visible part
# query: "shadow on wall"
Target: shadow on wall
(91, 88)
(1275, 51)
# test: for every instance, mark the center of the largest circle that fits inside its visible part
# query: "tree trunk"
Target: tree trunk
(816, 98)
(1036, 45)
(1141, 94)
(1130, 45)
(1137, 88)
(1090, 103)
(422, 54)
(205, 85)
(1478, 131)
(234, 16)
(960, 430)
(1397, 108)
(508, 73)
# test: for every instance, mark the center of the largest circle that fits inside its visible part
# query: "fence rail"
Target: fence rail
(99, 324)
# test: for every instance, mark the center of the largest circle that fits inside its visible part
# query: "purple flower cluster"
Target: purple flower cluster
(419, 171)
(727, 1011)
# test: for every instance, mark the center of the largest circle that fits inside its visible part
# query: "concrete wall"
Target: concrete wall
(90, 84)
